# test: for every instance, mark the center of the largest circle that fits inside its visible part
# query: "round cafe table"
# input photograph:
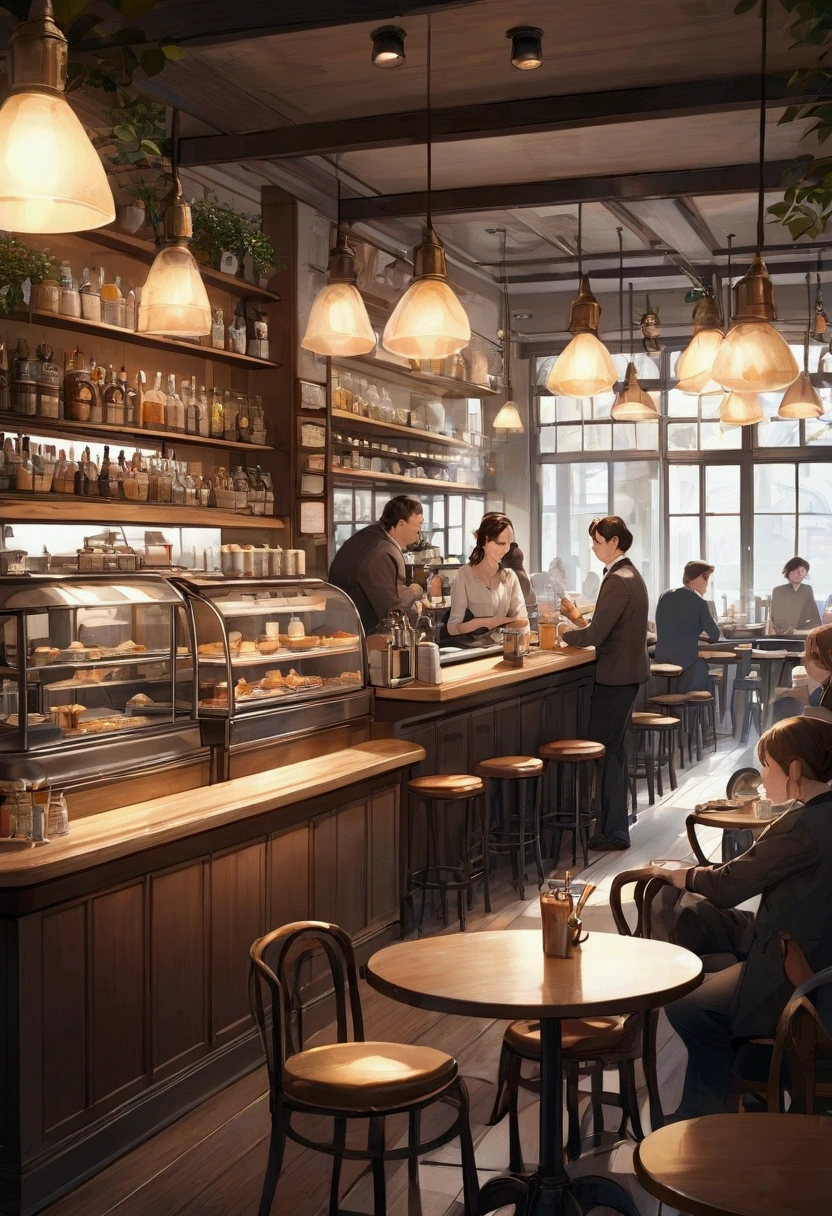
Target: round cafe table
(740, 1165)
(729, 821)
(506, 975)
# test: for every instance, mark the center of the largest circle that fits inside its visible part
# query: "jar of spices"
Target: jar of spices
(90, 298)
(48, 296)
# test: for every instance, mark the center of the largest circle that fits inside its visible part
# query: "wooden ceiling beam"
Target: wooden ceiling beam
(210, 22)
(487, 120)
(670, 183)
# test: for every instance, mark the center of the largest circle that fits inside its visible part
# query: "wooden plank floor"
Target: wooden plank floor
(211, 1162)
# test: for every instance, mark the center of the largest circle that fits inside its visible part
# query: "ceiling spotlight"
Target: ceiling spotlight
(388, 46)
(526, 47)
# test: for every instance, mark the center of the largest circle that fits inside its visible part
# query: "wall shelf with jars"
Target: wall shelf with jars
(431, 483)
(61, 508)
(421, 381)
(114, 434)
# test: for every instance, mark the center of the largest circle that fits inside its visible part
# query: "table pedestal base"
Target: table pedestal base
(550, 1191)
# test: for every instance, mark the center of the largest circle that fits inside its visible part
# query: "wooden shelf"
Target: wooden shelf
(54, 320)
(146, 251)
(66, 509)
(443, 386)
(66, 427)
(359, 423)
(430, 482)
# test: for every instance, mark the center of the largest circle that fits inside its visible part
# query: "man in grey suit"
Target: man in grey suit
(681, 616)
(618, 631)
(370, 567)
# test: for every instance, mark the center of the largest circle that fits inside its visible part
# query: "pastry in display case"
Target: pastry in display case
(93, 670)
(274, 657)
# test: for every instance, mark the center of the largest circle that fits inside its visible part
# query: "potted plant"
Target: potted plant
(19, 262)
(219, 230)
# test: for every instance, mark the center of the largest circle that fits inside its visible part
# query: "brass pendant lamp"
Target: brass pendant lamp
(754, 357)
(51, 177)
(429, 321)
(695, 367)
(338, 324)
(632, 403)
(508, 416)
(174, 302)
(585, 367)
(800, 399)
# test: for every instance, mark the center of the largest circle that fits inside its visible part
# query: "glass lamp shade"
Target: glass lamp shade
(696, 362)
(800, 400)
(428, 322)
(508, 418)
(174, 301)
(51, 177)
(741, 409)
(754, 358)
(633, 404)
(338, 323)
(582, 369)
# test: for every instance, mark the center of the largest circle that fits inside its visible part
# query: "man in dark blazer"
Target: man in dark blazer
(370, 567)
(681, 616)
(618, 631)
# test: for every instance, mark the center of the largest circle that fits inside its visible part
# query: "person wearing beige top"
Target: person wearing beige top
(484, 597)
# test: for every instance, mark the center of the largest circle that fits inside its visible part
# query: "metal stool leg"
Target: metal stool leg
(486, 849)
(538, 857)
(576, 794)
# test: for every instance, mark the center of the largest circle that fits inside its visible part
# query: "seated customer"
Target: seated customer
(817, 659)
(793, 602)
(681, 616)
(790, 868)
(483, 595)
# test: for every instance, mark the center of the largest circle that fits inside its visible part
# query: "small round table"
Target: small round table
(740, 1165)
(728, 821)
(506, 975)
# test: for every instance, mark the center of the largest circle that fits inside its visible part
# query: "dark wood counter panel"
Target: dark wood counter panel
(124, 949)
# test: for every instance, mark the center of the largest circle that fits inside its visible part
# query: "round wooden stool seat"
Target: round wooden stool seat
(681, 698)
(566, 751)
(593, 1035)
(366, 1077)
(510, 766)
(717, 656)
(665, 669)
(645, 721)
(446, 785)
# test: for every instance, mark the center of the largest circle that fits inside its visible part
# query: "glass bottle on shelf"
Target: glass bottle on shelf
(359, 404)
(154, 406)
(113, 397)
(104, 479)
(130, 310)
(177, 483)
(189, 482)
(257, 417)
(346, 386)
(204, 412)
(191, 407)
(338, 396)
(218, 330)
(90, 297)
(24, 472)
(216, 413)
(112, 304)
(138, 400)
(86, 478)
(230, 412)
(373, 401)
(174, 408)
(70, 296)
(97, 403)
(4, 378)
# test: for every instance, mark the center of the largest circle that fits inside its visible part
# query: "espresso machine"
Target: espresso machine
(391, 652)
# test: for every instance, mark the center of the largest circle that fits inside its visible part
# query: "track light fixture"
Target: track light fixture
(526, 47)
(388, 46)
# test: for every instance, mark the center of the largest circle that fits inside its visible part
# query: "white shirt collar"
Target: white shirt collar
(615, 562)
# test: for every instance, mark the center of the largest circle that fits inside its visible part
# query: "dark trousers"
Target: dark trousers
(694, 678)
(610, 710)
(702, 1019)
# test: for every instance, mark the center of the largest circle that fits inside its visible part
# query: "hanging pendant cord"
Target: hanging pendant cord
(338, 197)
(507, 319)
(632, 327)
(620, 232)
(580, 245)
(174, 146)
(808, 321)
(429, 150)
(730, 309)
(761, 185)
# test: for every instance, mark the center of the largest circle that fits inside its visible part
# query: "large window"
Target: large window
(450, 519)
(743, 498)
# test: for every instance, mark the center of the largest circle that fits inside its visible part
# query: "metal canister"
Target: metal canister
(556, 911)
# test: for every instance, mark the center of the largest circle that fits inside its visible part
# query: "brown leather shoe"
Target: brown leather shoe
(602, 845)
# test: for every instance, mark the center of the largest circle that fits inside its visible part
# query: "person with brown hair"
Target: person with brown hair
(790, 868)
(793, 602)
(370, 568)
(485, 596)
(618, 631)
(817, 659)
(682, 615)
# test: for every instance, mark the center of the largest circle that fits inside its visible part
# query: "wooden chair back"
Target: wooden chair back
(277, 963)
(647, 887)
(803, 1041)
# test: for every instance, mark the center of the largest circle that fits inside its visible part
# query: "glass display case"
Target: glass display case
(96, 676)
(274, 657)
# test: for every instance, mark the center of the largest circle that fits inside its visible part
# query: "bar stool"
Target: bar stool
(669, 672)
(654, 746)
(750, 683)
(719, 679)
(448, 868)
(512, 816)
(585, 758)
(694, 709)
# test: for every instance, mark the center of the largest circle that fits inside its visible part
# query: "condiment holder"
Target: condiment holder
(560, 918)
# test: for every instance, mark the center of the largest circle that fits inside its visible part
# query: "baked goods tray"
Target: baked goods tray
(303, 603)
(251, 660)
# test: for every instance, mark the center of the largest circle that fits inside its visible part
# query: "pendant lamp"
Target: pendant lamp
(696, 362)
(585, 367)
(800, 400)
(632, 403)
(741, 409)
(508, 416)
(754, 357)
(429, 321)
(51, 177)
(338, 324)
(174, 302)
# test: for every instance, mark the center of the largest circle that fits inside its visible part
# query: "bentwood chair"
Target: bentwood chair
(589, 1046)
(804, 1044)
(348, 1079)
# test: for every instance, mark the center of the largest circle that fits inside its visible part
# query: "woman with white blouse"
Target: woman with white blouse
(483, 596)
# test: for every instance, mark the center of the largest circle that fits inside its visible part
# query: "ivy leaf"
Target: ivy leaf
(150, 148)
(172, 51)
(153, 61)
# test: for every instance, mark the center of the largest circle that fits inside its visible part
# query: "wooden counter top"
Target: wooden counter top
(479, 675)
(97, 839)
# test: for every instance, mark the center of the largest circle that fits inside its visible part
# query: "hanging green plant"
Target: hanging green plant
(219, 230)
(19, 262)
(137, 136)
